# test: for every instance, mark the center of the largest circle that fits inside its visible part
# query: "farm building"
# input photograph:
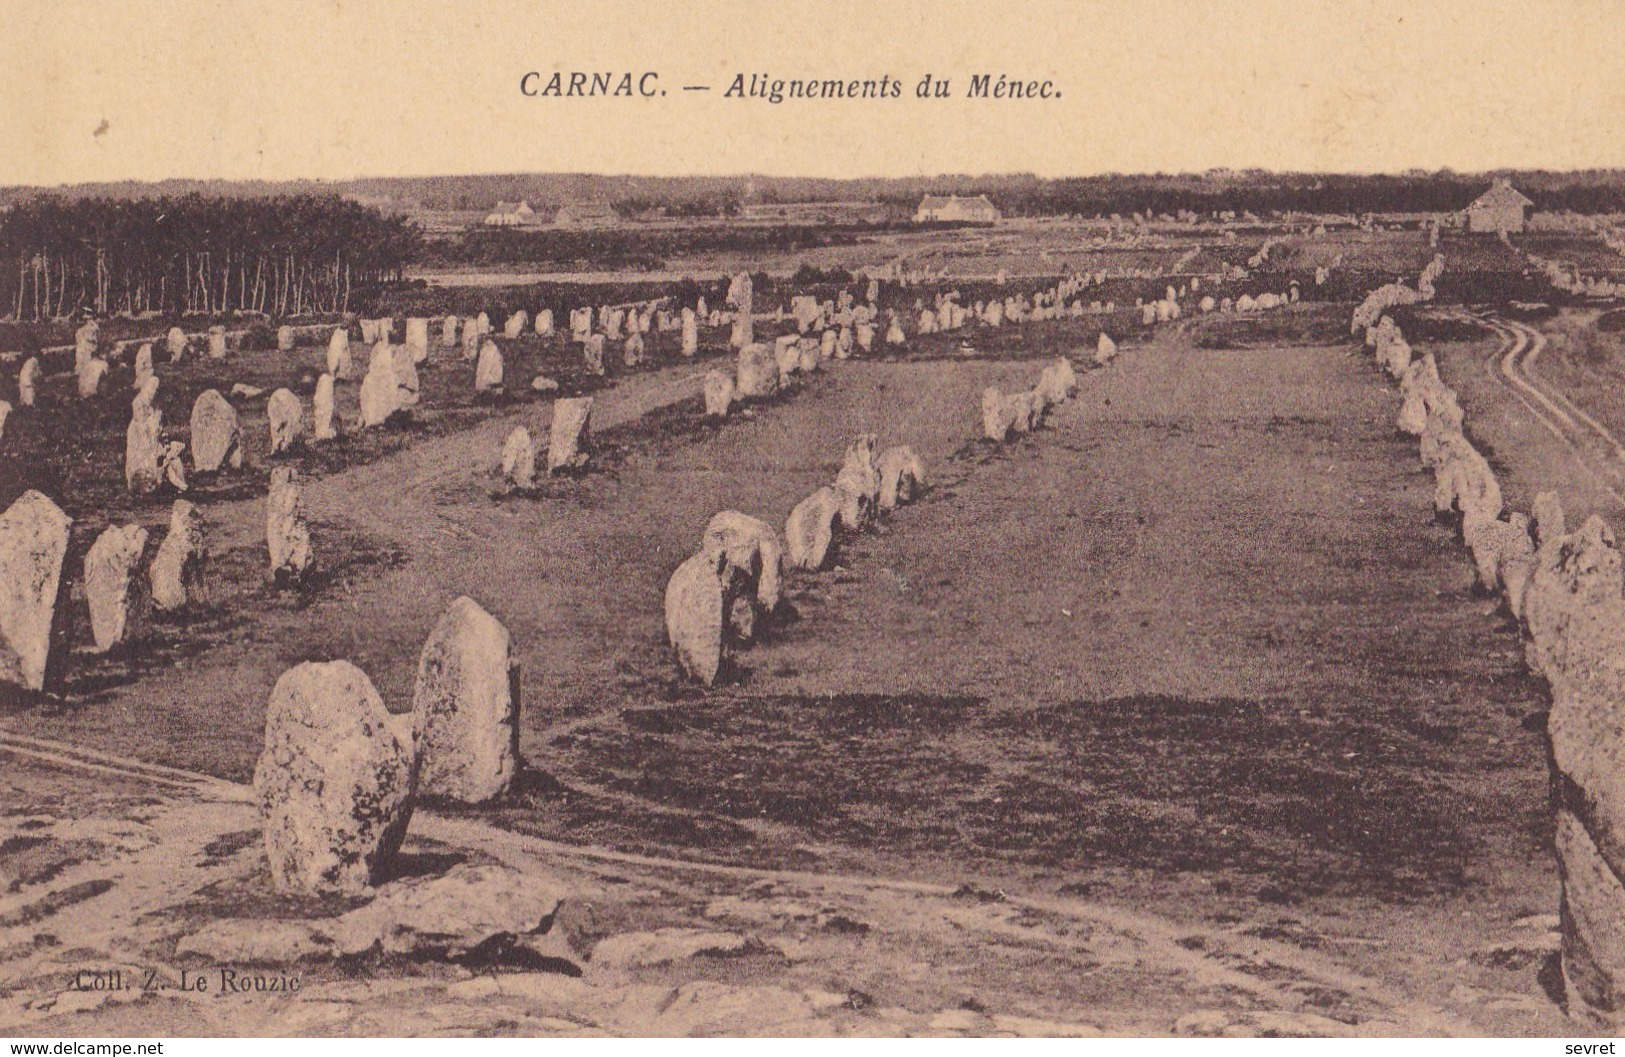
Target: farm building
(940, 208)
(586, 215)
(1501, 208)
(510, 215)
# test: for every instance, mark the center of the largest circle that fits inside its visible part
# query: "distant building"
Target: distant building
(1501, 208)
(940, 208)
(586, 215)
(510, 215)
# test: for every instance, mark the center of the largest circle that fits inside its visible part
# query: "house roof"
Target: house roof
(1501, 196)
(511, 207)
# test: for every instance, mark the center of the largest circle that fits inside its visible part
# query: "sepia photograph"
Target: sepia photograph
(1057, 519)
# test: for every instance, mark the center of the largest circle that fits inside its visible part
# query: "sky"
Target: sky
(100, 90)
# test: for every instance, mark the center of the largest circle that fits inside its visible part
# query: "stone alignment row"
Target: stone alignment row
(1567, 592)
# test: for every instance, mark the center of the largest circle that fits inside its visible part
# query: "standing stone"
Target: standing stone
(284, 338)
(286, 536)
(826, 345)
(175, 343)
(695, 606)
(417, 338)
(287, 420)
(1573, 592)
(488, 372)
(755, 554)
(515, 325)
(544, 323)
(809, 359)
(90, 378)
(518, 469)
(28, 382)
(592, 351)
(1025, 410)
(147, 395)
(466, 707)
(1575, 617)
(338, 354)
(811, 528)
(143, 447)
(86, 344)
(632, 352)
(448, 333)
(33, 542)
(335, 780)
(1593, 900)
(407, 386)
(758, 372)
(719, 394)
(787, 357)
(1058, 382)
(143, 364)
(864, 334)
(5, 413)
(997, 415)
(322, 416)
(380, 393)
(570, 429)
(216, 436)
(471, 340)
(691, 333)
(120, 598)
(1547, 520)
(741, 296)
(1105, 349)
(804, 308)
(217, 342)
(482, 324)
(894, 333)
(177, 571)
(171, 465)
(902, 476)
(858, 483)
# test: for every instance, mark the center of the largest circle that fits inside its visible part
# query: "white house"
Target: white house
(510, 215)
(940, 208)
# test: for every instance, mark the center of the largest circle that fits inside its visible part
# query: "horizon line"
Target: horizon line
(998, 175)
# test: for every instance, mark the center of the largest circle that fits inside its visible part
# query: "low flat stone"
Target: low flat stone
(636, 950)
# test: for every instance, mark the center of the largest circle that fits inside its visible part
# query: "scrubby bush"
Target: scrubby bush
(259, 337)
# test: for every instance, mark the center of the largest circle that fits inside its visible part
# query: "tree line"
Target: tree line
(1265, 194)
(282, 255)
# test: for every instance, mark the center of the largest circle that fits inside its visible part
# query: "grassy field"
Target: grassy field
(1198, 648)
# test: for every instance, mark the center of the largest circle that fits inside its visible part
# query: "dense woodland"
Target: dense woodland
(284, 255)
